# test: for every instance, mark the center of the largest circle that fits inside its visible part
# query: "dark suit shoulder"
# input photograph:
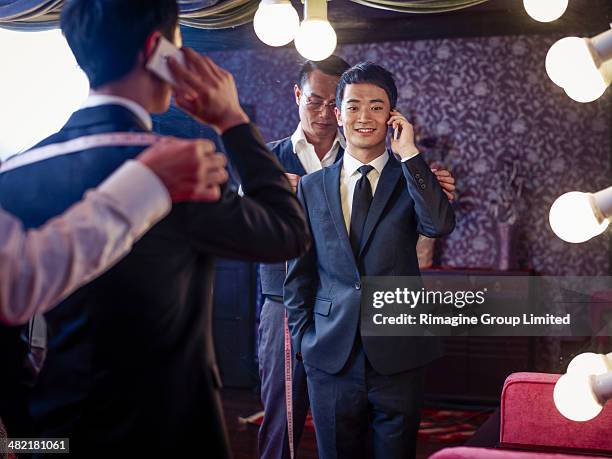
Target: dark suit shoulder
(279, 146)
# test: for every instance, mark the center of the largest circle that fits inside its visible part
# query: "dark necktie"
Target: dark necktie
(362, 198)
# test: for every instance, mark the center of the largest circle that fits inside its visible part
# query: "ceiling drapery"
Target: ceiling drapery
(204, 14)
(420, 6)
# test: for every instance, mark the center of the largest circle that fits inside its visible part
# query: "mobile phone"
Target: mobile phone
(397, 131)
(158, 62)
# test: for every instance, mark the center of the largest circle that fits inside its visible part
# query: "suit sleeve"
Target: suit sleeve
(266, 224)
(300, 287)
(435, 214)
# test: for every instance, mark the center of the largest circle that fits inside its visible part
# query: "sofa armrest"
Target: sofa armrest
(530, 420)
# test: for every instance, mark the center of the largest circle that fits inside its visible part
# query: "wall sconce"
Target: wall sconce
(276, 22)
(316, 38)
(581, 393)
(577, 217)
(545, 11)
(581, 66)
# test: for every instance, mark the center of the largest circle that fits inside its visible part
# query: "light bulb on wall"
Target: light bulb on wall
(581, 66)
(545, 10)
(581, 397)
(590, 363)
(577, 217)
(276, 22)
(316, 38)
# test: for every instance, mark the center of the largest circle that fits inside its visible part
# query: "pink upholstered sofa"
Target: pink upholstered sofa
(532, 428)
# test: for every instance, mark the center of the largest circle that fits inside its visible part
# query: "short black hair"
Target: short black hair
(333, 65)
(106, 35)
(368, 72)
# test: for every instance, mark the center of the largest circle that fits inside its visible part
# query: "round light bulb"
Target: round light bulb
(572, 218)
(574, 397)
(589, 363)
(316, 39)
(590, 88)
(545, 10)
(276, 23)
(558, 59)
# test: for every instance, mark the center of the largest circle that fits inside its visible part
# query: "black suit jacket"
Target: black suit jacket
(131, 363)
(322, 292)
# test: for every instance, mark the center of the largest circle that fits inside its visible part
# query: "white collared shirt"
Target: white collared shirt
(95, 100)
(306, 153)
(349, 176)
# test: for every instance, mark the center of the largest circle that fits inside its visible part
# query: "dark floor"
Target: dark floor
(245, 402)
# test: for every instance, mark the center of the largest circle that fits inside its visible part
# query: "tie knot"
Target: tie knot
(365, 170)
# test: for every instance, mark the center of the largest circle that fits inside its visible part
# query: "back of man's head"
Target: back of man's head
(333, 66)
(107, 35)
(368, 73)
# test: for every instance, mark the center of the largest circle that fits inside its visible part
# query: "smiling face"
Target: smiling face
(364, 115)
(317, 99)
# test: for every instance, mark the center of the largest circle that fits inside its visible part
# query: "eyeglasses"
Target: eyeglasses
(316, 104)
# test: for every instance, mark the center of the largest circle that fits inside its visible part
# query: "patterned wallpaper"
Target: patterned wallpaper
(508, 127)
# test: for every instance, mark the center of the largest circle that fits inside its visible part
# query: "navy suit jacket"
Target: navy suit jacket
(272, 275)
(130, 364)
(323, 289)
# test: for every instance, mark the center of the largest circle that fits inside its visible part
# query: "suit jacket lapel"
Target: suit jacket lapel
(386, 184)
(331, 180)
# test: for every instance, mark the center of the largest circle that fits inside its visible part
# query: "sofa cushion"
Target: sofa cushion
(465, 452)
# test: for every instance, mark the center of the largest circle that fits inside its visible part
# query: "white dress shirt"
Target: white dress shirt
(306, 152)
(95, 100)
(348, 179)
(40, 267)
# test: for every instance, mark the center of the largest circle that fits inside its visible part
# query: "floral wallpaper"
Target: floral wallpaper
(513, 140)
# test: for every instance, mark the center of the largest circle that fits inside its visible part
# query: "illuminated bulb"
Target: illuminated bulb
(276, 22)
(581, 397)
(574, 397)
(570, 64)
(545, 10)
(559, 65)
(589, 364)
(573, 217)
(316, 39)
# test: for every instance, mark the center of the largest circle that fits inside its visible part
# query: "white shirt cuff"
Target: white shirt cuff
(409, 157)
(139, 194)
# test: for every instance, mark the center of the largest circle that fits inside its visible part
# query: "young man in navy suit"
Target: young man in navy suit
(316, 143)
(365, 213)
(131, 369)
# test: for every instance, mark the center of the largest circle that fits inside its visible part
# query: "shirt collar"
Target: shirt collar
(95, 100)
(351, 164)
(298, 139)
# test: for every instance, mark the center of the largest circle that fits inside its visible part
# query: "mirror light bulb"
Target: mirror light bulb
(589, 363)
(574, 397)
(316, 39)
(572, 218)
(545, 10)
(570, 65)
(276, 23)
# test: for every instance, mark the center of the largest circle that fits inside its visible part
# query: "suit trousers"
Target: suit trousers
(357, 402)
(273, 438)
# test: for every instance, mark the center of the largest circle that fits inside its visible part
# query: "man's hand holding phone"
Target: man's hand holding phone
(206, 91)
(402, 141)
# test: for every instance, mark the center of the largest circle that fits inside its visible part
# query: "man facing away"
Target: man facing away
(316, 143)
(365, 213)
(130, 368)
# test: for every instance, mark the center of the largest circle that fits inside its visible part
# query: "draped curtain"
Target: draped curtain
(204, 14)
